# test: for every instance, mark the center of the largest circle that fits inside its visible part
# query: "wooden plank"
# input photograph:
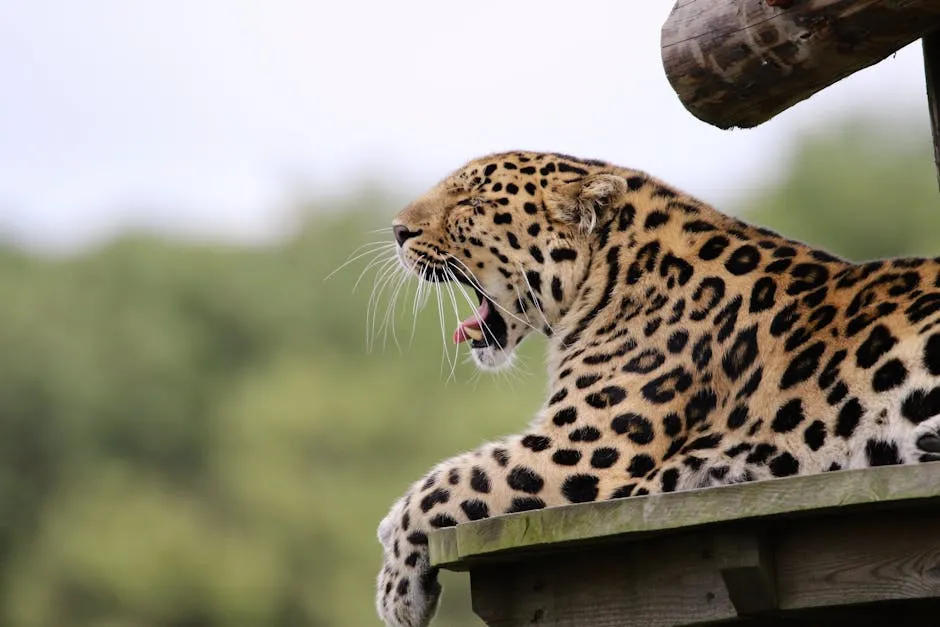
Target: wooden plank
(502, 536)
(443, 548)
(825, 571)
(745, 561)
(656, 584)
(891, 613)
(741, 62)
(844, 560)
(931, 47)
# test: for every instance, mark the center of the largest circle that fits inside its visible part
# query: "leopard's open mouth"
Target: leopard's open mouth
(486, 326)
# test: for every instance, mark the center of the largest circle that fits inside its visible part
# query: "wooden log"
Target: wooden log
(931, 46)
(738, 63)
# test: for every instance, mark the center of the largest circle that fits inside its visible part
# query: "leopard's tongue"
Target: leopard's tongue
(469, 329)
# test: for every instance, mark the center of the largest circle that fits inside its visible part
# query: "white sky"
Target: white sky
(205, 117)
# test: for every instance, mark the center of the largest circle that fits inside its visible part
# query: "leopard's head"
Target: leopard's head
(512, 234)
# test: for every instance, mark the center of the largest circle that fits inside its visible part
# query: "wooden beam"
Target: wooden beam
(931, 46)
(848, 560)
(501, 537)
(745, 561)
(738, 63)
(864, 570)
(662, 583)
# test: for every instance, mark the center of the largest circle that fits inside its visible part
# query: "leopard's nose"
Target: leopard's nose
(402, 234)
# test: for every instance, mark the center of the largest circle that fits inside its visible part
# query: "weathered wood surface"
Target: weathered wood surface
(655, 584)
(738, 63)
(847, 548)
(825, 573)
(456, 547)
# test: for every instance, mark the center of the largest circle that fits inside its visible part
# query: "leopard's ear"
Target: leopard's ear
(584, 202)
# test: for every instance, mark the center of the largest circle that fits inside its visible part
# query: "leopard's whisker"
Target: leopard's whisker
(520, 300)
(394, 285)
(465, 272)
(417, 298)
(384, 276)
(385, 269)
(402, 286)
(427, 296)
(389, 319)
(371, 313)
(373, 247)
(476, 375)
(377, 285)
(401, 280)
(418, 303)
(460, 287)
(453, 301)
(415, 287)
(440, 316)
(377, 260)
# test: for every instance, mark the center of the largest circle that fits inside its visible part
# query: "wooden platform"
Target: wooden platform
(858, 547)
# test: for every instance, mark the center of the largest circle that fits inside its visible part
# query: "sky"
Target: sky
(208, 118)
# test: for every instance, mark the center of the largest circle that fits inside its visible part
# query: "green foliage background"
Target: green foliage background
(195, 435)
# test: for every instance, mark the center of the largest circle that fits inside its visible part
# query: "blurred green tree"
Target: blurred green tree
(865, 189)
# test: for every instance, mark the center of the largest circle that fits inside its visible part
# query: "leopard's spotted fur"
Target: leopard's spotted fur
(687, 349)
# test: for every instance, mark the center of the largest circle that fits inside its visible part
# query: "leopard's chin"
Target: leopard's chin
(489, 346)
(492, 358)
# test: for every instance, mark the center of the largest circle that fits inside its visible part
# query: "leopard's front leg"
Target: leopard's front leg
(495, 479)
(408, 591)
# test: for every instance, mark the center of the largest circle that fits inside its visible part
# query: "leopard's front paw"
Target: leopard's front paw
(408, 590)
(927, 439)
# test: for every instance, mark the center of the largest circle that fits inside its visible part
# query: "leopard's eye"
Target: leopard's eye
(473, 201)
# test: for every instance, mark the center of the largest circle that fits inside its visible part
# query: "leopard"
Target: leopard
(686, 349)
